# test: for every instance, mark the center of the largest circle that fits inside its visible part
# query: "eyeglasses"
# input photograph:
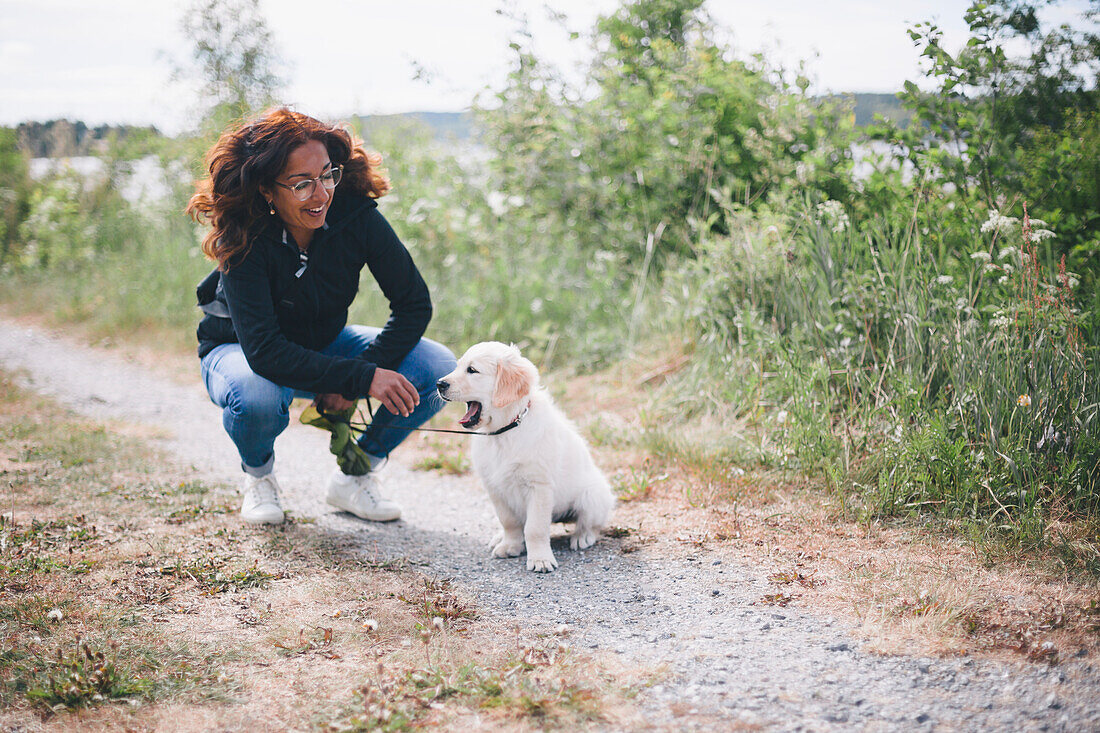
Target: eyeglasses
(302, 190)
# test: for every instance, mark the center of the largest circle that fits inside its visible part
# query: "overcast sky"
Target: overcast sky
(111, 62)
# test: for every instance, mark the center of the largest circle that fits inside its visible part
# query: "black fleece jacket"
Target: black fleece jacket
(282, 326)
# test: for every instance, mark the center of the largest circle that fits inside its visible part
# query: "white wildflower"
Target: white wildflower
(1069, 279)
(497, 201)
(1000, 320)
(991, 268)
(944, 280)
(1038, 235)
(999, 224)
(1006, 252)
(1037, 222)
(55, 615)
(781, 417)
(370, 624)
(983, 256)
(437, 622)
(832, 212)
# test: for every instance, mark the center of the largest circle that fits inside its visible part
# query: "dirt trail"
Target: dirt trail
(720, 659)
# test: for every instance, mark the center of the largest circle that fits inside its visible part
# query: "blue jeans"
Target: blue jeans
(255, 410)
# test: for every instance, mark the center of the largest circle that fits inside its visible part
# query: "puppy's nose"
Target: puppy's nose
(442, 385)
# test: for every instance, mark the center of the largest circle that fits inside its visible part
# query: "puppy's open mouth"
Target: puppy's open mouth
(472, 416)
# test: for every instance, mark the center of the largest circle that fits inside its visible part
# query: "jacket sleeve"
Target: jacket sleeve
(272, 355)
(410, 303)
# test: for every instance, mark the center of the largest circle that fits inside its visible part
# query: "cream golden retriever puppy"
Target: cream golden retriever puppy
(533, 462)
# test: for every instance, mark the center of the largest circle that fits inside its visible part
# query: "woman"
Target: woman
(291, 205)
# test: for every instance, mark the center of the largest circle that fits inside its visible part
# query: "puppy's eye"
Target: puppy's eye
(471, 370)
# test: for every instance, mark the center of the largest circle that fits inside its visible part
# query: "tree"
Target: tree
(14, 191)
(236, 57)
(670, 128)
(992, 117)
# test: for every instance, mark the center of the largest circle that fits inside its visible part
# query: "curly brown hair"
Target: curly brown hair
(253, 155)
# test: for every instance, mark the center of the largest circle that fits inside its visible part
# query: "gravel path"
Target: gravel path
(729, 664)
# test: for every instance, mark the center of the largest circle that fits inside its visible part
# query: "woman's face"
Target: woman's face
(305, 162)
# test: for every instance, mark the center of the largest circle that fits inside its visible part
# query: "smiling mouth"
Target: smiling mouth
(472, 416)
(316, 212)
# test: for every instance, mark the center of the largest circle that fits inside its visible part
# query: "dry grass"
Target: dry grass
(917, 588)
(135, 599)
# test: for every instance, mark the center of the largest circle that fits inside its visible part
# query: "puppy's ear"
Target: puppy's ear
(516, 377)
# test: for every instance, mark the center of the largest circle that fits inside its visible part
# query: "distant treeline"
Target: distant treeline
(66, 139)
(886, 105)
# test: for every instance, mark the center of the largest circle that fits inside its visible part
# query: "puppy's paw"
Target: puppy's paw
(582, 539)
(497, 539)
(541, 562)
(506, 548)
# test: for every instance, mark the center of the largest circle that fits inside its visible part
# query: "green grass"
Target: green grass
(450, 463)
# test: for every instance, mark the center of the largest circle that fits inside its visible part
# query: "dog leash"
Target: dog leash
(361, 424)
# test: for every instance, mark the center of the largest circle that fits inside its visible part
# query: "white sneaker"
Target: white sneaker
(359, 495)
(261, 500)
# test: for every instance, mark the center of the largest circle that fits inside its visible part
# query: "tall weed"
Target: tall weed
(959, 384)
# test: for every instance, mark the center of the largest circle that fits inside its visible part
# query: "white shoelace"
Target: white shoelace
(368, 489)
(264, 491)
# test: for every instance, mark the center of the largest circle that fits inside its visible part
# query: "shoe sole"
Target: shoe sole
(343, 508)
(280, 520)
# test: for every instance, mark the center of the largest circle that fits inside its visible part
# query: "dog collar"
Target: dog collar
(514, 424)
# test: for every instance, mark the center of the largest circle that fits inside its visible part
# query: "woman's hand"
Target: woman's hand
(394, 391)
(332, 402)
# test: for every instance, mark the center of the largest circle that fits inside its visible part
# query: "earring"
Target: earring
(272, 205)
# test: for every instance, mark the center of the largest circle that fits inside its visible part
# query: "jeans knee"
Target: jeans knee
(258, 401)
(440, 360)
(427, 363)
